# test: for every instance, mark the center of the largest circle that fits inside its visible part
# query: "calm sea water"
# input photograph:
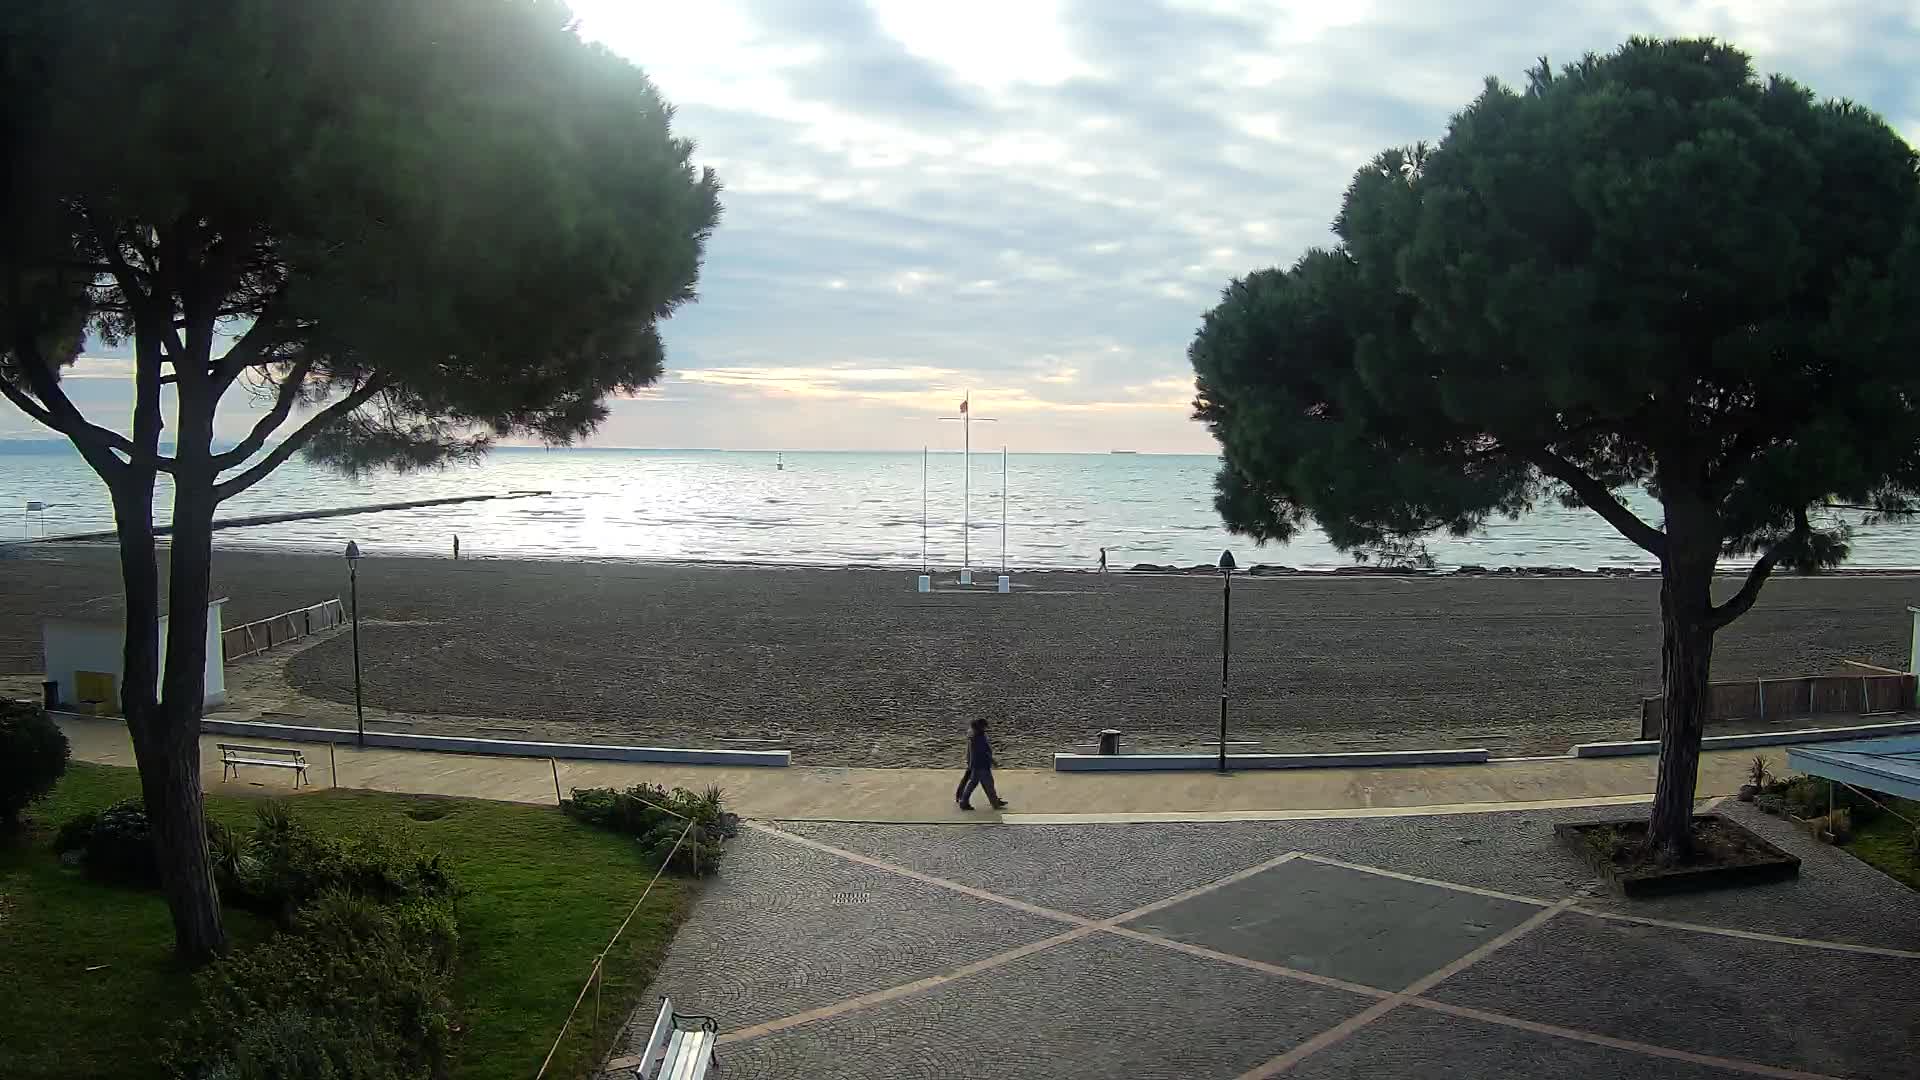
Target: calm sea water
(820, 508)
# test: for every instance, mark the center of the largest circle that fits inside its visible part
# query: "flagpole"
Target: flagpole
(1003, 508)
(923, 509)
(966, 486)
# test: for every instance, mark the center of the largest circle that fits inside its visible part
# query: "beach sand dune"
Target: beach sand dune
(852, 667)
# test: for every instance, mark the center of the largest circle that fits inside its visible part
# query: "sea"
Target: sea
(1023, 511)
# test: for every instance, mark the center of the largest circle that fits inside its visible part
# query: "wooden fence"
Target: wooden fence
(258, 637)
(1787, 700)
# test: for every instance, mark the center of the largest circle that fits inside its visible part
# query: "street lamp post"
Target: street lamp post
(1226, 645)
(353, 592)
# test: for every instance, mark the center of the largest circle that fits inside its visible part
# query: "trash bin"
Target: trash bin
(1110, 741)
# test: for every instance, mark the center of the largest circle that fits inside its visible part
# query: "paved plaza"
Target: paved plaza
(1437, 946)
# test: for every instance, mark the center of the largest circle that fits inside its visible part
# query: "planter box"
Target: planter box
(1754, 861)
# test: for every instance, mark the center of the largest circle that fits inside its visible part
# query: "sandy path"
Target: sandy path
(854, 668)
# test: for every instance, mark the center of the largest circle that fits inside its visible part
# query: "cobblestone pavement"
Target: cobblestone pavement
(1462, 946)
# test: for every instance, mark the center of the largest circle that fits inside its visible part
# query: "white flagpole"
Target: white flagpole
(1003, 508)
(966, 485)
(923, 509)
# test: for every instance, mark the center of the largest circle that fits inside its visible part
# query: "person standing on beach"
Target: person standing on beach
(1103, 560)
(979, 769)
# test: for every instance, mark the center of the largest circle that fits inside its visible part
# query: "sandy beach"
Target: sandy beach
(852, 667)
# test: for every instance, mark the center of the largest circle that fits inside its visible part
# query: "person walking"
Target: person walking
(979, 769)
(1103, 560)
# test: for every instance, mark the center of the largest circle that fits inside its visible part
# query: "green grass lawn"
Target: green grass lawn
(544, 894)
(1887, 842)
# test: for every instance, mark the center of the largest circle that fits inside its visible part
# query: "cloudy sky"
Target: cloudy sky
(1034, 200)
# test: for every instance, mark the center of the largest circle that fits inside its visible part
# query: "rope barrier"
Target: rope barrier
(600, 960)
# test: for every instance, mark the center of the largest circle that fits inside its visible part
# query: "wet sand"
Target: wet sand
(852, 667)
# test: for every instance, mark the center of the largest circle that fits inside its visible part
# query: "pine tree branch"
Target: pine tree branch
(284, 400)
(1600, 500)
(291, 445)
(1741, 602)
(55, 410)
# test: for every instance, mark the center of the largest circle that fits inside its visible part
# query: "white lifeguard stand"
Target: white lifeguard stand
(83, 656)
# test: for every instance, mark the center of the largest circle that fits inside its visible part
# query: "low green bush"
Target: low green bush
(116, 844)
(33, 757)
(1811, 797)
(284, 865)
(656, 817)
(355, 989)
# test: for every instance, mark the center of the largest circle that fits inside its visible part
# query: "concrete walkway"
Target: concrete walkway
(926, 795)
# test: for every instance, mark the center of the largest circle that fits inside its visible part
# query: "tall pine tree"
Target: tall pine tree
(1651, 268)
(413, 226)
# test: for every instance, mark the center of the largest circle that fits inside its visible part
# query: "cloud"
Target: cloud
(1036, 200)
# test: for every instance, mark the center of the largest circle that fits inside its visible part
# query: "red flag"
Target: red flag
(963, 404)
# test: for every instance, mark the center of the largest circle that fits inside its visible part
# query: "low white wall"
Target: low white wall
(70, 646)
(1199, 762)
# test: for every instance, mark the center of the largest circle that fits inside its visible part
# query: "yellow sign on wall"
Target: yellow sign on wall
(96, 686)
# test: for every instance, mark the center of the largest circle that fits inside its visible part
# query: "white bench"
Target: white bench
(677, 1053)
(233, 755)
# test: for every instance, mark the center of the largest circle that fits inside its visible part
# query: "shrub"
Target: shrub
(1759, 771)
(1807, 797)
(655, 817)
(285, 865)
(116, 844)
(354, 990)
(293, 1045)
(33, 756)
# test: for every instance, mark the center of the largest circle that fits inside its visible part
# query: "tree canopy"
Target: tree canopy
(426, 224)
(450, 220)
(1648, 268)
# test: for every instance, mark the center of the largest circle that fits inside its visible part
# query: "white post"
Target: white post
(1913, 651)
(966, 490)
(1003, 511)
(923, 512)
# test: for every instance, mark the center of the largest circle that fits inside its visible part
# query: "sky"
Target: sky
(1034, 201)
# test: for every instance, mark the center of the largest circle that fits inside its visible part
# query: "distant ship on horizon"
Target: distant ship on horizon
(1123, 451)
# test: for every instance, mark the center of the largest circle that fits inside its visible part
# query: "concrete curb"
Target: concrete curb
(501, 747)
(1173, 762)
(1757, 738)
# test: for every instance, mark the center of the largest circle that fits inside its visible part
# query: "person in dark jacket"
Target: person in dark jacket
(979, 769)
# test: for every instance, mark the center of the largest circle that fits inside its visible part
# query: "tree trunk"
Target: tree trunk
(1686, 662)
(181, 842)
(166, 750)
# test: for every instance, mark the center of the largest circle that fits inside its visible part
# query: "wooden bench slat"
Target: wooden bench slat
(698, 1047)
(671, 1067)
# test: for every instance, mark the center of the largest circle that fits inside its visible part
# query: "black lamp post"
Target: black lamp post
(1226, 645)
(353, 591)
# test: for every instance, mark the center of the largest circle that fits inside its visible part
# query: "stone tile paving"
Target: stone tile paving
(1099, 1006)
(783, 929)
(786, 929)
(1783, 1004)
(1836, 898)
(1093, 871)
(1345, 924)
(1418, 1043)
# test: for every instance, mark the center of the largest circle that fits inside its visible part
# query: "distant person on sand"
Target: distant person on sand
(1103, 560)
(979, 769)
(456, 546)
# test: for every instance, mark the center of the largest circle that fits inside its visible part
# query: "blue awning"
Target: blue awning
(1890, 764)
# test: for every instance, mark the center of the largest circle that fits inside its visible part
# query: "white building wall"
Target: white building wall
(75, 645)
